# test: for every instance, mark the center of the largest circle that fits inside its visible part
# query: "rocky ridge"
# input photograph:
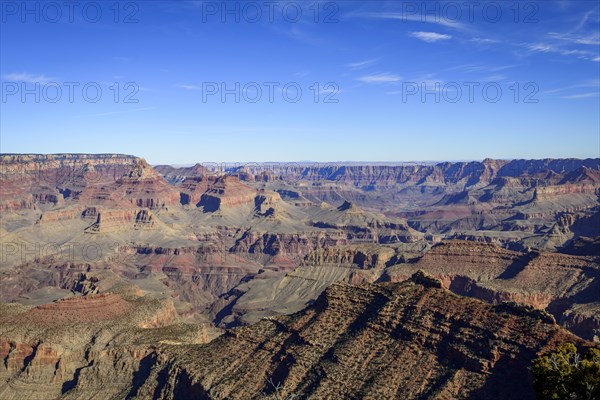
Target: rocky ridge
(413, 339)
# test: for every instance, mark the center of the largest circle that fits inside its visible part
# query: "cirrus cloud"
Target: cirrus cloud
(380, 78)
(430, 37)
(28, 78)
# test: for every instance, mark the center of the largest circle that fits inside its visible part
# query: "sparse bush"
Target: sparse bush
(566, 375)
(276, 390)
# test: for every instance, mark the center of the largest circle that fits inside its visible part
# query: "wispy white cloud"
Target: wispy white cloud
(380, 78)
(495, 78)
(585, 18)
(430, 37)
(571, 43)
(188, 87)
(28, 78)
(471, 68)
(581, 96)
(552, 48)
(542, 47)
(362, 64)
(484, 40)
(589, 84)
(592, 39)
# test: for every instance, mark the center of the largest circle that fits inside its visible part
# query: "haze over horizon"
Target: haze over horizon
(221, 163)
(366, 59)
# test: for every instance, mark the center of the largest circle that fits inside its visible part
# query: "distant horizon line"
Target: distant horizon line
(361, 162)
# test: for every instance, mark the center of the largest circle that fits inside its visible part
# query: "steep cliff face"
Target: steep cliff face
(54, 168)
(295, 244)
(192, 189)
(365, 256)
(111, 180)
(115, 220)
(177, 175)
(32, 179)
(226, 192)
(140, 186)
(583, 246)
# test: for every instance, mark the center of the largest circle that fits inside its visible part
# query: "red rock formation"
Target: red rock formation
(115, 220)
(113, 180)
(141, 186)
(89, 345)
(551, 281)
(59, 215)
(226, 192)
(84, 309)
(297, 244)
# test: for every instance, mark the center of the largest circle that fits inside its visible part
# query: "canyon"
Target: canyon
(119, 279)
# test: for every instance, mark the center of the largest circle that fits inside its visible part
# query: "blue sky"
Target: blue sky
(372, 61)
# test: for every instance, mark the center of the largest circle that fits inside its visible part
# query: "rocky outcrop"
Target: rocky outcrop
(86, 346)
(363, 256)
(226, 192)
(583, 246)
(140, 186)
(59, 215)
(29, 179)
(192, 189)
(296, 244)
(554, 282)
(411, 341)
(178, 175)
(55, 168)
(549, 192)
(115, 220)
(106, 179)
(363, 225)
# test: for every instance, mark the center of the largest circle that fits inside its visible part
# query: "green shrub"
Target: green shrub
(565, 375)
